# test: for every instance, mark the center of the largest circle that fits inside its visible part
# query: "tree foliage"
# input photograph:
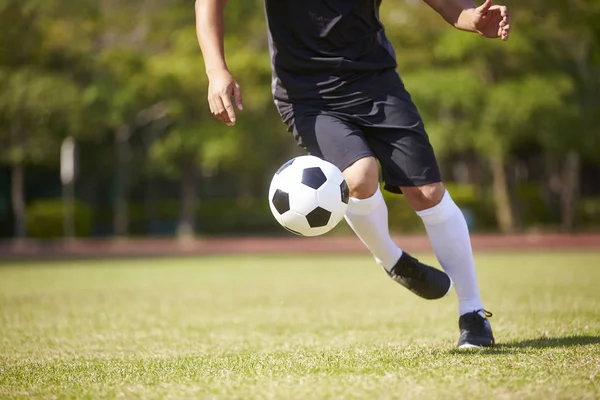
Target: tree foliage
(127, 80)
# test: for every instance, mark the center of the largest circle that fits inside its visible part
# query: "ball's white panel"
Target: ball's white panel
(336, 217)
(296, 223)
(285, 165)
(276, 215)
(290, 177)
(307, 161)
(330, 197)
(319, 231)
(303, 199)
(273, 210)
(272, 189)
(273, 186)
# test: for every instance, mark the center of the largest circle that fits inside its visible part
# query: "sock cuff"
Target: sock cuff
(365, 206)
(439, 213)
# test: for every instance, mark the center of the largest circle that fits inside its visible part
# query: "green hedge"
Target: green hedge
(402, 219)
(478, 211)
(588, 213)
(533, 209)
(477, 205)
(250, 217)
(213, 217)
(253, 217)
(45, 219)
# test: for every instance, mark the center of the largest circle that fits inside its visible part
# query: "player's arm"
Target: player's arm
(222, 85)
(488, 20)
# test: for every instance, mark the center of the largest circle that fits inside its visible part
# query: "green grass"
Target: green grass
(293, 327)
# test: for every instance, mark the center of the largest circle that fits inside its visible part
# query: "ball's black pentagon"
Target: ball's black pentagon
(313, 177)
(345, 191)
(318, 217)
(281, 201)
(284, 166)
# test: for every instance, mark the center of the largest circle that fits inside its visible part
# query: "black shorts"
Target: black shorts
(388, 128)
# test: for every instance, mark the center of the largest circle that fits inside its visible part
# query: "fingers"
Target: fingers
(210, 106)
(503, 11)
(504, 34)
(219, 108)
(229, 112)
(504, 25)
(506, 19)
(504, 30)
(222, 108)
(482, 9)
(222, 88)
(237, 94)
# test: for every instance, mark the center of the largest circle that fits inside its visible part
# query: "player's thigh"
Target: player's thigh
(396, 134)
(407, 158)
(330, 137)
(342, 143)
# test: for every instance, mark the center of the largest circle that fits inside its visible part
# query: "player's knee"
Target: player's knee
(362, 178)
(424, 197)
(363, 188)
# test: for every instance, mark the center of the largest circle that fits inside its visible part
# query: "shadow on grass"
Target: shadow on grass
(548, 342)
(539, 343)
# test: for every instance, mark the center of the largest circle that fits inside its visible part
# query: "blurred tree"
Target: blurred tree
(490, 96)
(40, 101)
(122, 98)
(127, 80)
(36, 109)
(194, 145)
(197, 145)
(571, 44)
(479, 110)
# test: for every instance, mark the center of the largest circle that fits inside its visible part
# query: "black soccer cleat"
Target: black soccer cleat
(475, 330)
(425, 281)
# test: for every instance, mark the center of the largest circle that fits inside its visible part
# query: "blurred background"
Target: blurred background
(516, 125)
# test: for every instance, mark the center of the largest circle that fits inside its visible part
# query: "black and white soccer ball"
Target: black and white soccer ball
(308, 196)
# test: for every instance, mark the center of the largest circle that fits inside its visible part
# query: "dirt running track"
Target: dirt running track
(293, 245)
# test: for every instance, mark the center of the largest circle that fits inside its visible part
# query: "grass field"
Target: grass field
(293, 327)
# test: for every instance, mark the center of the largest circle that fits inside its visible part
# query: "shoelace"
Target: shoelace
(409, 269)
(477, 322)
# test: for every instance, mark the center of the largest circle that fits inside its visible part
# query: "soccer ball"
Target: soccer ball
(308, 196)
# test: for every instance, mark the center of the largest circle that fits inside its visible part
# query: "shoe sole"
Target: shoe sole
(467, 346)
(450, 288)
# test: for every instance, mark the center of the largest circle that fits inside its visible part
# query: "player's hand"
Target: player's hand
(222, 88)
(492, 21)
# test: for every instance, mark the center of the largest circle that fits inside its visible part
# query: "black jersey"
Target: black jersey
(331, 53)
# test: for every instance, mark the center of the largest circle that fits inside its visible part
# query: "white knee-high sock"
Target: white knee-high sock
(449, 236)
(369, 220)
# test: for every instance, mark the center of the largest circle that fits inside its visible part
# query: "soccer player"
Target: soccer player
(336, 87)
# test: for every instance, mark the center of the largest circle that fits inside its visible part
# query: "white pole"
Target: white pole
(67, 177)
